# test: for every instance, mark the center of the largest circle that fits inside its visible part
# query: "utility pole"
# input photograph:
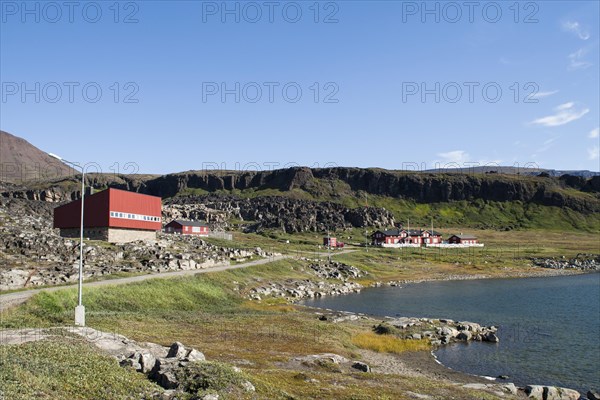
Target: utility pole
(366, 232)
(329, 246)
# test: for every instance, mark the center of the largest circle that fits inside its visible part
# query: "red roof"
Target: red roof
(113, 208)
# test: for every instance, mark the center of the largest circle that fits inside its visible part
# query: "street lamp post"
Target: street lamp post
(80, 309)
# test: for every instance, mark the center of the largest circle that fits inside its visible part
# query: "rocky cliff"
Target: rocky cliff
(576, 193)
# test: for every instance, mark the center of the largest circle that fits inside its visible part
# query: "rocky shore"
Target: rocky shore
(437, 332)
(440, 332)
(584, 262)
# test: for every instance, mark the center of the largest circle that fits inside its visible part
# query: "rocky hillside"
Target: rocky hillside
(288, 214)
(33, 254)
(21, 161)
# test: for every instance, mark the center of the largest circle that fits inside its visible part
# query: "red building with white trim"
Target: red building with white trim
(330, 241)
(431, 237)
(112, 215)
(398, 236)
(463, 239)
(406, 236)
(183, 227)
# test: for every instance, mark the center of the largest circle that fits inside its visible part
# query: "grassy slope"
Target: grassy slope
(66, 368)
(206, 312)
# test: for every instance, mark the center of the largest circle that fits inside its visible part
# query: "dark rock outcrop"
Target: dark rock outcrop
(288, 214)
(339, 182)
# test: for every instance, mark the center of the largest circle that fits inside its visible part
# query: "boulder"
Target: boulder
(194, 355)
(510, 388)
(147, 362)
(558, 393)
(361, 366)
(248, 387)
(593, 395)
(539, 392)
(166, 379)
(177, 350)
(130, 362)
(535, 392)
(491, 337)
(448, 331)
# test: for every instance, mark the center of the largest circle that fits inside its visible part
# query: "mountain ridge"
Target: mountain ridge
(20, 161)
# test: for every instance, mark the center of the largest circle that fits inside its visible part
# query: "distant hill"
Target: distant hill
(479, 200)
(20, 161)
(497, 198)
(515, 171)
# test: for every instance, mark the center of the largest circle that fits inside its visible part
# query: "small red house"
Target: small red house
(397, 236)
(112, 215)
(390, 236)
(183, 227)
(431, 237)
(463, 239)
(414, 236)
(330, 242)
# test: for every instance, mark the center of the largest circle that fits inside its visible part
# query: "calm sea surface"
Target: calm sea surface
(549, 328)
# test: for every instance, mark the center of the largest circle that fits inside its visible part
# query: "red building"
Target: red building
(398, 236)
(406, 236)
(330, 242)
(463, 239)
(431, 237)
(183, 227)
(112, 215)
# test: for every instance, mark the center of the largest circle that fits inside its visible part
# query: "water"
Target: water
(549, 328)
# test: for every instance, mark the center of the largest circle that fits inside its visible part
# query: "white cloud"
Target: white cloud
(576, 28)
(576, 60)
(594, 153)
(546, 145)
(540, 95)
(564, 114)
(456, 156)
(594, 133)
(565, 106)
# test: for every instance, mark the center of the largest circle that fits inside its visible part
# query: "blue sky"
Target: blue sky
(181, 85)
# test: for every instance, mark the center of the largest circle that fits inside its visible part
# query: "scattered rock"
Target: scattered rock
(361, 366)
(593, 395)
(248, 387)
(177, 350)
(586, 262)
(539, 392)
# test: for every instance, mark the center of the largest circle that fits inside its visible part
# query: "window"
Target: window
(115, 214)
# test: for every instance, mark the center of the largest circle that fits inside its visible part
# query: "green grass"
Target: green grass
(208, 312)
(389, 344)
(203, 378)
(66, 368)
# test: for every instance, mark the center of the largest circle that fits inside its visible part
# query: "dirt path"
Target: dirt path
(13, 299)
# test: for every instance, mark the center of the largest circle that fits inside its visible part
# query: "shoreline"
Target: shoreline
(426, 363)
(537, 273)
